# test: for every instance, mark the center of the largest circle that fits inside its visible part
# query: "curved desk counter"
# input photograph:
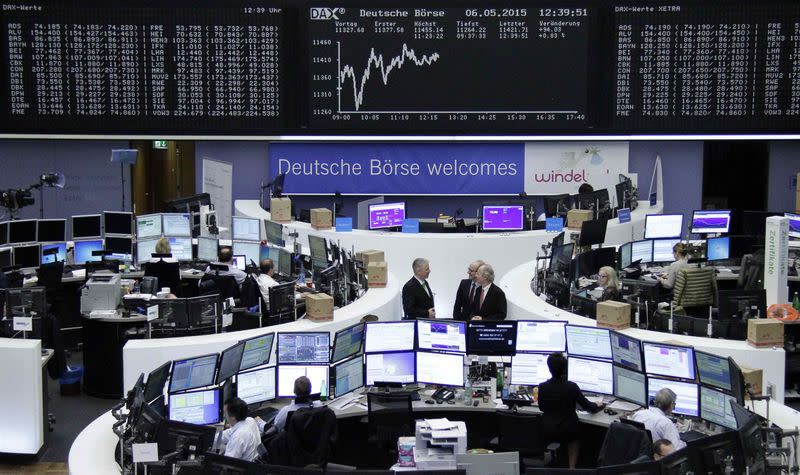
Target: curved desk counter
(450, 254)
(524, 304)
(143, 356)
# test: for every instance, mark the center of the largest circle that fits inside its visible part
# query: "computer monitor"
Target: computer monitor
(256, 386)
(593, 376)
(304, 347)
(287, 374)
(541, 336)
(588, 341)
(118, 222)
(121, 248)
(285, 263)
(390, 367)
(503, 218)
(669, 360)
(207, 249)
(148, 225)
(386, 215)
(625, 255)
(687, 402)
(52, 230)
(181, 248)
(662, 249)
(389, 336)
(145, 248)
(713, 453)
(676, 463)
(657, 226)
(83, 251)
(347, 376)
(503, 463)
(172, 313)
(561, 257)
(794, 224)
(191, 373)
(60, 255)
(718, 248)
(347, 342)
(24, 301)
(177, 224)
(250, 250)
(156, 381)
(626, 351)
(257, 351)
(196, 407)
(86, 226)
(6, 257)
(444, 369)
(711, 221)
(239, 262)
(642, 251)
(593, 232)
(630, 385)
(274, 232)
(742, 304)
(230, 361)
(498, 338)
(713, 370)
(4, 233)
(442, 335)
(22, 231)
(715, 406)
(318, 248)
(246, 229)
(529, 369)
(557, 204)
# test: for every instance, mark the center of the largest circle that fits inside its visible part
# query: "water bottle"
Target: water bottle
(323, 391)
(467, 392)
(796, 302)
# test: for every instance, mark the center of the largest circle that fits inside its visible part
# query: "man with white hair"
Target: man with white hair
(417, 294)
(656, 418)
(490, 301)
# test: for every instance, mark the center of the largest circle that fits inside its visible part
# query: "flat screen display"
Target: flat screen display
(588, 341)
(83, 251)
(625, 255)
(246, 229)
(348, 376)
(207, 249)
(196, 407)
(442, 335)
(715, 406)
(491, 338)
(250, 250)
(669, 360)
(503, 218)
(297, 348)
(347, 342)
(181, 248)
(386, 215)
(257, 351)
(21, 231)
(287, 374)
(713, 370)
(711, 221)
(642, 251)
(662, 249)
(148, 225)
(86, 226)
(256, 386)
(544, 336)
(193, 373)
(4, 233)
(626, 351)
(177, 224)
(529, 369)
(318, 248)
(591, 375)
(229, 362)
(390, 367)
(121, 248)
(145, 249)
(61, 255)
(440, 368)
(687, 402)
(118, 222)
(156, 381)
(794, 224)
(27, 256)
(52, 230)
(274, 232)
(718, 248)
(389, 336)
(630, 386)
(657, 226)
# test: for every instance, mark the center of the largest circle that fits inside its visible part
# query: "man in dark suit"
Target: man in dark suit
(465, 296)
(490, 303)
(417, 294)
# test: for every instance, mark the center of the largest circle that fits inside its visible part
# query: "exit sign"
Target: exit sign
(160, 144)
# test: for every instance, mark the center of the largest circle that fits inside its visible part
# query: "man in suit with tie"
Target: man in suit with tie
(490, 303)
(465, 296)
(417, 294)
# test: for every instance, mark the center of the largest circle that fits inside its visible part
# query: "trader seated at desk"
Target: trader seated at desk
(490, 302)
(681, 253)
(607, 280)
(265, 280)
(302, 393)
(243, 437)
(656, 418)
(417, 294)
(225, 256)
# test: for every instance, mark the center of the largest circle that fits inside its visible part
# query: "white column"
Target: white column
(776, 256)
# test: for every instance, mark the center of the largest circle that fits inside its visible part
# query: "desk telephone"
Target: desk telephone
(443, 394)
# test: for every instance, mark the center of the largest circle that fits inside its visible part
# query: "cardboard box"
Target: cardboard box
(576, 217)
(321, 218)
(319, 307)
(753, 377)
(764, 332)
(614, 315)
(370, 255)
(376, 275)
(280, 209)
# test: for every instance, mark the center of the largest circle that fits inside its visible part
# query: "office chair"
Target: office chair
(224, 285)
(695, 290)
(49, 276)
(638, 425)
(168, 274)
(751, 272)
(307, 440)
(522, 432)
(623, 444)
(389, 416)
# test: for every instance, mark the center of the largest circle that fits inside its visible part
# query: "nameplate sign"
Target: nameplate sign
(554, 225)
(344, 225)
(624, 215)
(411, 226)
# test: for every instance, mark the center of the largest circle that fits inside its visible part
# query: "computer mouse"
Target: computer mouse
(450, 401)
(439, 401)
(429, 401)
(475, 403)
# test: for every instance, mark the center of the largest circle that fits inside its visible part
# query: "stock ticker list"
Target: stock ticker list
(141, 69)
(448, 68)
(706, 67)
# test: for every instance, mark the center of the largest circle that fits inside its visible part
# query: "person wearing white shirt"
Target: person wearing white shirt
(302, 392)
(265, 280)
(656, 420)
(243, 439)
(226, 258)
(681, 253)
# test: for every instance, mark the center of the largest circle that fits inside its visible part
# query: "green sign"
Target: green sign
(160, 144)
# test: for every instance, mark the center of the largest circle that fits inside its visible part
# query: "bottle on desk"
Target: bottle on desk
(323, 391)
(796, 302)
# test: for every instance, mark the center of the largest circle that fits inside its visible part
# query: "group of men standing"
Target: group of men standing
(477, 298)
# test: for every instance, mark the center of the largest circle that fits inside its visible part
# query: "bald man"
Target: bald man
(465, 295)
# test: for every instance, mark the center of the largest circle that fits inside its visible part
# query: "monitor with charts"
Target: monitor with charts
(347, 376)
(541, 336)
(444, 369)
(662, 249)
(592, 376)
(390, 367)
(711, 221)
(713, 370)
(492, 338)
(529, 369)
(191, 373)
(669, 360)
(630, 385)
(625, 255)
(257, 351)
(148, 226)
(246, 229)
(274, 232)
(256, 386)
(287, 374)
(196, 407)
(181, 248)
(145, 248)
(250, 250)
(207, 249)
(177, 224)
(588, 341)
(657, 226)
(389, 336)
(347, 342)
(642, 251)
(304, 347)
(715, 406)
(687, 402)
(229, 362)
(626, 351)
(442, 335)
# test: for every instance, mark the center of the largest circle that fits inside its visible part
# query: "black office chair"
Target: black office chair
(168, 274)
(49, 276)
(751, 272)
(224, 285)
(307, 440)
(521, 432)
(389, 416)
(623, 444)
(638, 425)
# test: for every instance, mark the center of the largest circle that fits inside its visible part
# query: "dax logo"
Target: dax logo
(326, 13)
